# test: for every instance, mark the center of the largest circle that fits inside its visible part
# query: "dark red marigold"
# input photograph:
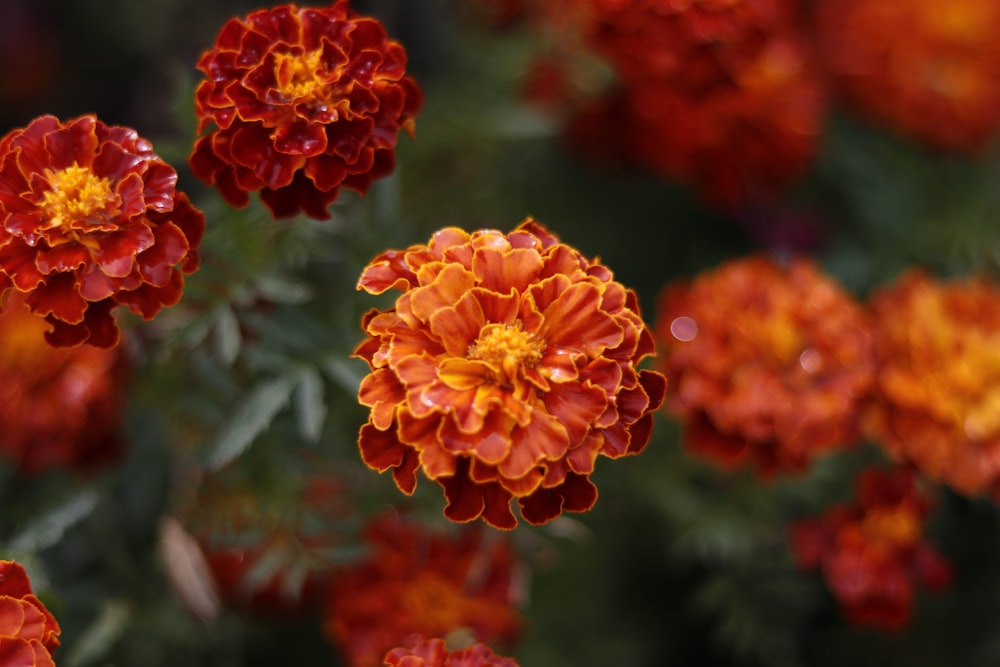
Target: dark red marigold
(417, 582)
(89, 220)
(507, 365)
(60, 407)
(927, 69)
(938, 387)
(872, 553)
(434, 653)
(302, 102)
(28, 631)
(767, 364)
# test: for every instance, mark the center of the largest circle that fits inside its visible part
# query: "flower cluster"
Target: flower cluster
(28, 631)
(416, 582)
(767, 364)
(434, 653)
(872, 553)
(301, 102)
(926, 69)
(938, 387)
(60, 407)
(89, 220)
(507, 365)
(723, 96)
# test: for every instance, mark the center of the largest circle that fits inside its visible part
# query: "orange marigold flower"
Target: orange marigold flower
(434, 653)
(768, 364)
(58, 406)
(926, 68)
(417, 582)
(872, 553)
(89, 220)
(508, 364)
(302, 102)
(937, 391)
(28, 631)
(695, 45)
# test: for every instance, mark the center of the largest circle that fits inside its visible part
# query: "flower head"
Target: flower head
(28, 631)
(58, 406)
(722, 96)
(301, 102)
(925, 68)
(417, 582)
(434, 653)
(89, 220)
(938, 387)
(767, 364)
(507, 365)
(873, 553)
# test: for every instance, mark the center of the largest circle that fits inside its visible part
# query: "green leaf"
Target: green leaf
(310, 405)
(98, 638)
(49, 528)
(227, 337)
(250, 420)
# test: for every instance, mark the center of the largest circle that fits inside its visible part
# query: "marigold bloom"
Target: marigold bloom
(302, 102)
(928, 69)
(58, 406)
(768, 364)
(89, 220)
(695, 45)
(28, 631)
(508, 364)
(872, 553)
(434, 653)
(938, 386)
(417, 582)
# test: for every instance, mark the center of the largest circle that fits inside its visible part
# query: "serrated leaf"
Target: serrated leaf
(250, 420)
(226, 335)
(309, 404)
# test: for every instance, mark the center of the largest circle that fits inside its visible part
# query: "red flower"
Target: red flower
(695, 45)
(722, 96)
(938, 385)
(58, 406)
(872, 553)
(508, 364)
(767, 364)
(414, 582)
(302, 102)
(28, 631)
(89, 220)
(926, 68)
(434, 653)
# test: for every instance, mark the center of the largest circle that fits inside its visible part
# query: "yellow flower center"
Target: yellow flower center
(298, 75)
(75, 193)
(438, 603)
(895, 526)
(508, 347)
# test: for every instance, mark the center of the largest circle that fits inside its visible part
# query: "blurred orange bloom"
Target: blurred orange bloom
(28, 631)
(301, 102)
(417, 582)
(872, 553)
(58, 406)
(925, 68)
(89, 220)
(507, 365)
(723, 96)
(434, 653)
(767, 364)
(937, 396)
